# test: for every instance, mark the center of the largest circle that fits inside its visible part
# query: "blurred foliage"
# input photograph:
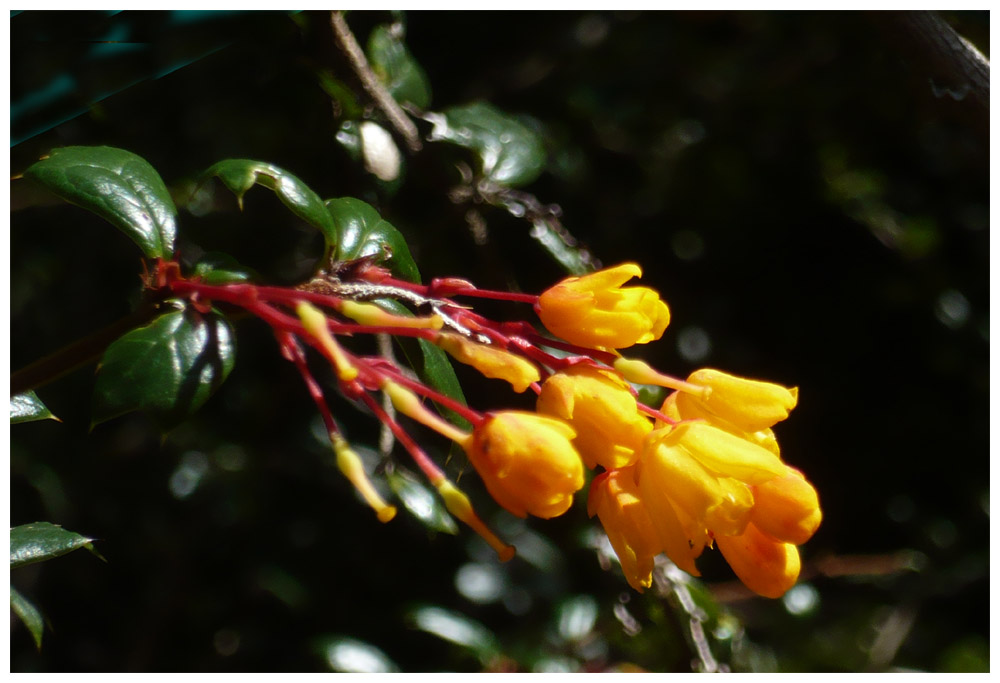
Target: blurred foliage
(814, 212)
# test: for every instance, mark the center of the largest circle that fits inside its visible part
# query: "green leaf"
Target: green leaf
(350, 655)
(456, 628)
(168, 368)
(341, 94)
(432, 365)
(39, 541)
(392, 62)
(239, 175)
(28, 408)
(421, 501)
(363, 232)
(509, 152)
(119, 186)
(218, 268)
(29, 614)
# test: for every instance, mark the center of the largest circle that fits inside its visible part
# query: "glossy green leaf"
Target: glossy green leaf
(239, 175)
(392, 62)
(168, 368)
(218, 268)
(39, 541)
(350, 655)
(28, 408)
(28, 614)
(432, 365)
(509, 152)
(422, 502)
(349, 108)
(456, 628)
(363, 232)
(119, 186)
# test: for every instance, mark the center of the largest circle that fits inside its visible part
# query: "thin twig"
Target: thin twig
(348, 44)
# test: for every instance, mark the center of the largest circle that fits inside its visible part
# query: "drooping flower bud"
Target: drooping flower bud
(614, 498)
(527, 462)
(602, 411)
(747, 404)
(787, 508)
(595, 311)
(764, 564)
(492, 361)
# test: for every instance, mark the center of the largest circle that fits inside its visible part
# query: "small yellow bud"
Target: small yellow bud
(371, 314)
(350, 464)
(459, 505)
(492, 361)
(409, 404)
(315, 323)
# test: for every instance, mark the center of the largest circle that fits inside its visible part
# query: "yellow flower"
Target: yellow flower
(764, 564)
(602, 411)
(614, 498)
(787, 508)
(596, 311)
(747, 404)
(492, 361)
(527, 462)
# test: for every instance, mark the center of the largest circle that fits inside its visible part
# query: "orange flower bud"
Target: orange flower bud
(596, 311)
(602, 411)
(527, 462)
(492, 361)
(614, 498)
(747, 404)
(787, 508)
(765, 565)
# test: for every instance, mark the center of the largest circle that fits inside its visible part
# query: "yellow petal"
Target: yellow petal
(765, 565)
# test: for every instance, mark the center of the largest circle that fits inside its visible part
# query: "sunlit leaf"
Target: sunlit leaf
(509, 152)
(28, 407)
(28, 614)
(392, 62)
(40, 541)
(422, 502)
(576, 617)
(239, 175)
(456, 628)
(349, 655)
(119, 186)
(363, 232)
(168, 368)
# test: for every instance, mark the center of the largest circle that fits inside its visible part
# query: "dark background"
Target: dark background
(808, 200)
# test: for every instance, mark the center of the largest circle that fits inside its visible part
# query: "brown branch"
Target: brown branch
(348, 44)
(954, 65)
(79, 353)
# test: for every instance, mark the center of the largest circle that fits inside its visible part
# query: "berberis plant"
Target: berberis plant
(698, 469)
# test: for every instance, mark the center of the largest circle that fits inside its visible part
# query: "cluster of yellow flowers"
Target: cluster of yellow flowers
(704, 469)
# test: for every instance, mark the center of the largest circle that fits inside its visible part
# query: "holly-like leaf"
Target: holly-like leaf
(421, 501)
(239, 175)
(509, 152)
(392, 62)
(28, 408)
(363, 232)
(119, 186)
(218, 268)
(456, 628)
(39, 541)
(168, 368)
(29, 614)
